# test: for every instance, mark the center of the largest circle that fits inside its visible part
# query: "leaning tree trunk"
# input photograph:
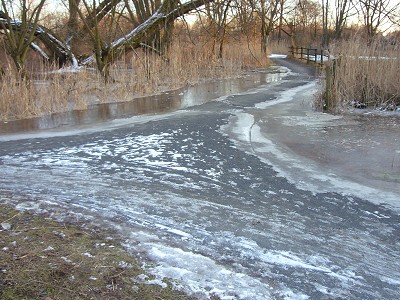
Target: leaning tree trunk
(61, 53)
(57, 50)
(135, 38)
(18, 42)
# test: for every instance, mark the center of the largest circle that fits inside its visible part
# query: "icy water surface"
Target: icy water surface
(216, 197)
(163, 103)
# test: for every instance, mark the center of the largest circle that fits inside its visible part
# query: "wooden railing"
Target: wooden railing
(309, 54)
(320, 57)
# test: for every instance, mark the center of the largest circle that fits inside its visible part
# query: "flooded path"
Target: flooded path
(231, 197)
(362, 147)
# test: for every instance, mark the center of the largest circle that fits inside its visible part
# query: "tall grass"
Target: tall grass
(44, 93)
(279, 46)
(145, 72)
(364, 76)
(139, 73)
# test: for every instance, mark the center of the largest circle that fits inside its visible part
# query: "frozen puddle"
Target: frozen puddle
(281, 135)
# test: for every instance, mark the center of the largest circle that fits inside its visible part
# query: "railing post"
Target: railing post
(328, 74)
(308, 54)
(322, 56)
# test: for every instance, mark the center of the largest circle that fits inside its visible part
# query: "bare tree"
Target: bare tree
(245, 16)
(343, 10)
(104, 51)
(19, 41)
(308, 14)
(268, 12)
(325, 23)
(280, 24)
(376, 13)
(217, 14)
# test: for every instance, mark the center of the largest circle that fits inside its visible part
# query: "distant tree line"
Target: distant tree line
(80, 32)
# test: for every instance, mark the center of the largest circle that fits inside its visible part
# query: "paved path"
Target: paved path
(218, 197)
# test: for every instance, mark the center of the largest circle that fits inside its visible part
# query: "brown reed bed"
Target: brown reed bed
(141, 72)
(362, 76)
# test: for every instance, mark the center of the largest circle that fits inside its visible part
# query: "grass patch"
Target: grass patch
(44, 259)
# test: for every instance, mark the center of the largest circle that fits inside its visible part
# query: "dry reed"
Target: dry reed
(140, 73)
(48, 92)
(185, 64)
(364, 75)
(279, 46)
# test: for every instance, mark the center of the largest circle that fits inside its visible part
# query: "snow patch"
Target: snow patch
(194, 270)
(175, 231)
(287, 96)
(274, 55)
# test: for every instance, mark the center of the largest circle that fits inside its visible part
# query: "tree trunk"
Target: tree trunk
(72, 25)
(263, 28)
(62, 54)
(58, 50)
(19, 42)
(223, 26)
(325, 32)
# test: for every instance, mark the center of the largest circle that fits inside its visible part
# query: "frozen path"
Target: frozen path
(217, 198)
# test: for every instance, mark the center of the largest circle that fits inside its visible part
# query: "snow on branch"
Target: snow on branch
(59, 50)
(135, 38)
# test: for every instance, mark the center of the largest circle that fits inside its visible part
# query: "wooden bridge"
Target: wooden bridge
(318, 56)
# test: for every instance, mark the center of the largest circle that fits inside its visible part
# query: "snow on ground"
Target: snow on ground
(274, 55)
(287, 95)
